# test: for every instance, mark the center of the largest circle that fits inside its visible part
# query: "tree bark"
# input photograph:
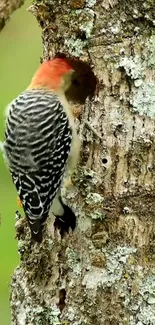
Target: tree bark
(6, 9)
(104, 272)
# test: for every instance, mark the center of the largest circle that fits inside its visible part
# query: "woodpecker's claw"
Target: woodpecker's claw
(66, 221)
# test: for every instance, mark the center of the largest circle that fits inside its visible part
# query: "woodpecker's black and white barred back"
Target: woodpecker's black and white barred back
(37, 145)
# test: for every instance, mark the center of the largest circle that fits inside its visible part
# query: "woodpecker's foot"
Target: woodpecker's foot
(66, 221)
(19, 203)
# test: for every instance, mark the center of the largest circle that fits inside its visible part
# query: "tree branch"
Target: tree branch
(6, 9)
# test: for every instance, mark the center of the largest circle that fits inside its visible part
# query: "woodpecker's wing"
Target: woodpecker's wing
(38, 141)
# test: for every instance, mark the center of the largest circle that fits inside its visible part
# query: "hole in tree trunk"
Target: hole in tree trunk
(84, 81)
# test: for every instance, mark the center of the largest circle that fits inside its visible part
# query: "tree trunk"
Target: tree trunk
(104, 272)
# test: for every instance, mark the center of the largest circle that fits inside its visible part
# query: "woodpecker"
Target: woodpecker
(41, 143)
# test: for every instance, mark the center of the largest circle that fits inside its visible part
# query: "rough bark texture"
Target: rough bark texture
(6, 9)
(103, 273)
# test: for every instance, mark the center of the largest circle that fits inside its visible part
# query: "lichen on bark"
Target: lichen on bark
(103, 273)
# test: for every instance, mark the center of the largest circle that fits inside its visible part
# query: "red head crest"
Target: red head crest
(50, 74)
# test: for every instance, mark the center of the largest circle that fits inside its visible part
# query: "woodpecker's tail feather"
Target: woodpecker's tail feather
(37, 237)
(37, 226)
(36, 230)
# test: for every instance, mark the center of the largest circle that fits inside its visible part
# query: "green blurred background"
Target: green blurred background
(20, 52)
